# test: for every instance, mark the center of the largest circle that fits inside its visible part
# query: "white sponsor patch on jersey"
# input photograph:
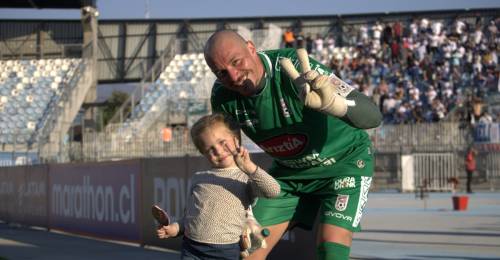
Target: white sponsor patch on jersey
(341, 203)
(346, 182)
(284, 108)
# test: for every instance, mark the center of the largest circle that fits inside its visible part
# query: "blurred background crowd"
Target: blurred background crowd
(419, 71)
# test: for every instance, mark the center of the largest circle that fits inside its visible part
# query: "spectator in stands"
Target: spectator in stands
(318, 45)
(289, 38)
(470, 166)
(215, 211)
(486, 118)
(377, 31)
(330, 42)
(440, 59)
(300, 39)
(492, 29)
(363, 34)
(322, 155)
(397, 30)
(309, 43)
(387, 35)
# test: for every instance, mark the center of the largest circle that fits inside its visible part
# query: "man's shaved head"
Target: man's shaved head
(234, 61)
(224, 36)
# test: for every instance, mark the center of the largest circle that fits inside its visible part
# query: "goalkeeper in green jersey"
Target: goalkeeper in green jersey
(311, 123)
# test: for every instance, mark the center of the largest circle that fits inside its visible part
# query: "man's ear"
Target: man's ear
(251, 47)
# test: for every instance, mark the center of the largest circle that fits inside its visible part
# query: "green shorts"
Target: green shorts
(339, 200)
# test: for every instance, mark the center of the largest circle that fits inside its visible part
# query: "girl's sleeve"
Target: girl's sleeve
(263, 185)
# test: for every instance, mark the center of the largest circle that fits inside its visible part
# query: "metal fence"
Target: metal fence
(113, 144)
(434, 171)
(389, 139)
(437, 137)
(437, 156)
(21, 50)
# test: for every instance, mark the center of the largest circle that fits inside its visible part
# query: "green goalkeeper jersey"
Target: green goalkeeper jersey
(304, 143)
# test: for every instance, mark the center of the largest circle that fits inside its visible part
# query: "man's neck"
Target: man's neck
(263, 78)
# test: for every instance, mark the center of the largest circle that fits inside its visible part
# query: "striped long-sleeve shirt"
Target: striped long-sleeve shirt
(215, 210)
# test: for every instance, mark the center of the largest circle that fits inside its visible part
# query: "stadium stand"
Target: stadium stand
(30, 90)
(420, 70)
(43, 85)
(186, 77)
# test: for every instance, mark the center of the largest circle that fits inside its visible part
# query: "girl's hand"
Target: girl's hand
(171, 230)
(242, 157)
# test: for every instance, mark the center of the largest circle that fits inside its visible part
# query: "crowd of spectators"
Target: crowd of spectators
(417, 71)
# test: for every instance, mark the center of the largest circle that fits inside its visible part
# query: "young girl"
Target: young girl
(215, 211)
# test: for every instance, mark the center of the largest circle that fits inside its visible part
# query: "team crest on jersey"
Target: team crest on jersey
(284, 145)
(361, 164)
(341, 203)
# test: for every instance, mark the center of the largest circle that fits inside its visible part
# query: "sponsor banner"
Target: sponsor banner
(100, 199)
(487, 133)
(488, 147)
(23, 195)
(13, 158)
(165, 183)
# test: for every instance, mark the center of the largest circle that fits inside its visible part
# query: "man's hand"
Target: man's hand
(319, 92)
(171, 230)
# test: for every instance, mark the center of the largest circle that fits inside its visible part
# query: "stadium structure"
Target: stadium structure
(51, 125)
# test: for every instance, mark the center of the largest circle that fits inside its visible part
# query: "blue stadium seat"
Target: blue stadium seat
(28, 91)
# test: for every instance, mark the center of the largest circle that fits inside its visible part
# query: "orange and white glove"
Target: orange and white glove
(319, 92)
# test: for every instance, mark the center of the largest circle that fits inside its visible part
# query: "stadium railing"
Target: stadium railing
(437, 152)
(438, 137)
(21, 50)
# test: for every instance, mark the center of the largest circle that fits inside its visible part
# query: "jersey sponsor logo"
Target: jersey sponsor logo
(284, 145)
(307, 161)
(284, 108)
(338, 215)
(246, 120)
(341, 203)
(346, 182)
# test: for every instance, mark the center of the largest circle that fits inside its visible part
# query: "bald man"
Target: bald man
(323, 163)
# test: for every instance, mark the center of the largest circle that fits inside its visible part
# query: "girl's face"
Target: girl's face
(213, 142)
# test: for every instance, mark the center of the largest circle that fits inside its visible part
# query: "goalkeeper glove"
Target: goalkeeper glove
(319, 92)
